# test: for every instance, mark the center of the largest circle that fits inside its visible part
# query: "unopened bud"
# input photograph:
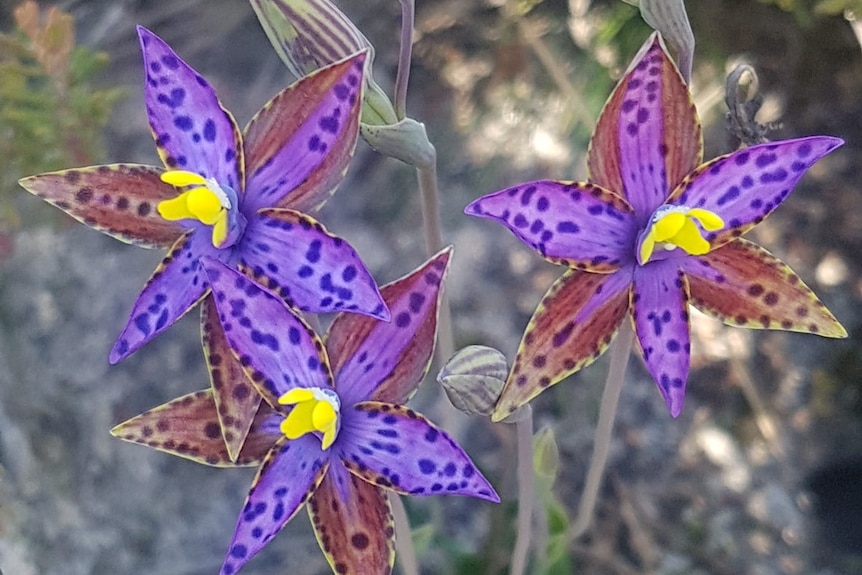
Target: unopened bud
(546, 454)
(473, 379)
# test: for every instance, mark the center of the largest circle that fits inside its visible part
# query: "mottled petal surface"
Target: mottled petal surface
(189, 427)
(174, 288)
(648, 136)
(288, 476)
(578, 225)
(353, 523)
(746, 186)
(386, 361)
(572, 326)
(293, 255)
(235, 398)
(119, 200)
(660, 312)
(396, 448)
(192, 129)
(276, 348)
(299, 145)
(742, 284)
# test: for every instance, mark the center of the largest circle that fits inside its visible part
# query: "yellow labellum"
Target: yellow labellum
(205, 202)
(315, 410)
(675, 227)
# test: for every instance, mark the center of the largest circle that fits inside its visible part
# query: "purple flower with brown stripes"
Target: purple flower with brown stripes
(231, 196)
(652, 230)
(332, 430)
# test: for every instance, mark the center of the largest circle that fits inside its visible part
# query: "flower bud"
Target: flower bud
(546, 454)
(473, 379)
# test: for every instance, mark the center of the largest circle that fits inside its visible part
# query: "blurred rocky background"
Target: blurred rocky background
(760, 475)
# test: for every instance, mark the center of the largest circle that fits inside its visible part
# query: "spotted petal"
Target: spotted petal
(189, 427)
(293, 255)
(648, 136)
(119, 200)
(742, 284)
(353, 523)
(235, 398)
(578, 225)
(396, 448)
(386, 361)
(288, 476)
(276, 348)
(299, 145)
(744, 187)
(192, 129)
(660, 311)
(572, 326)
(173, 289)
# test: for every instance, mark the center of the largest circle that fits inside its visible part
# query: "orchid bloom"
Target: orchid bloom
(332, 430)
(235, 197)
(652, 230)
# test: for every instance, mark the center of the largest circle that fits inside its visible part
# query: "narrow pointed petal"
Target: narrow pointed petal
(189, 427)
(299, 145)
(235, 398)
(276, 348)
(396, 448)
(174, 288)
(660, 313)
(572, 326)
(293, 255)
(353, 523)
(192, 129)
(288, 476)
(648, 136)
(577, 225)
(386, 361)
(742, 284)
(119, 200)
(746, 186)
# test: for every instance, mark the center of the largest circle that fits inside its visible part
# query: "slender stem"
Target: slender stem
(602, 442)
(404, 57)
(403, 538)
(526, 495)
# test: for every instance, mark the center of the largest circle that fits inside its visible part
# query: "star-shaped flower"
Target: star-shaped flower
(333, 419)
(652, 230)
(235, 197)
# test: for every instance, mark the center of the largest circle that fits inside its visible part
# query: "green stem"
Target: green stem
(405, 55)
(604, 428)
(403, 538)
(524, 430)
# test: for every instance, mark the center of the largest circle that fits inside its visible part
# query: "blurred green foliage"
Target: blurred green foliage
(806, 10)
(51, 115)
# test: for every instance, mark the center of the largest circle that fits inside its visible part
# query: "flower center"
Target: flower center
(315, 410)
(674, 227)
(203, 200)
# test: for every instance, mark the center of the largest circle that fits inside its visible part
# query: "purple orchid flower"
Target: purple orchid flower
(332, 430)
(234, 197)
(652, 230)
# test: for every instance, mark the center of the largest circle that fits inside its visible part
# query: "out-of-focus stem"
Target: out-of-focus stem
(404, 549)
(405, 55)
(604, 428)
(524, 431)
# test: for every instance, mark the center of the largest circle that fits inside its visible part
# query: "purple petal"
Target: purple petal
(386, 361)
(286, 479)
(192, 130)
(293, 255)
(188, 427)
(648, 136)
(119, 200)
(660, 312)
(236, 399)
(571, 327)
(299, 145)
(275, 347)
(353, 523)
(174, 288)
(578, 225)
(746, 186)
(396, 448)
